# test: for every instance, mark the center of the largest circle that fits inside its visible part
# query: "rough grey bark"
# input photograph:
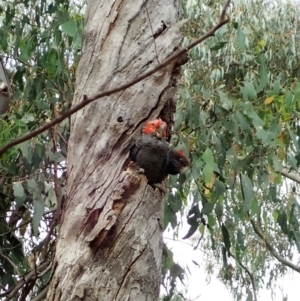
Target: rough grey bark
(110, 245)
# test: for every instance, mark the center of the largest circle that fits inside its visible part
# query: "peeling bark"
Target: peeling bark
(110, 241)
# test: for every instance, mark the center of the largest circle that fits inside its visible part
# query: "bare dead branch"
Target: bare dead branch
(87, 100)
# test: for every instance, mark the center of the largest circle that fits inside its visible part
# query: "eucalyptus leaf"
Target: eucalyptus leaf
(263, 73)
(241, 38)
(218, 46)
(38, 206)
(19, 193)
(240, 240)
(247, 192)
(244, 124)
(250, 90)
(31, 184)
(70, 28)
(208, 207)
(208, 169)
(297, 94)
(226, 237)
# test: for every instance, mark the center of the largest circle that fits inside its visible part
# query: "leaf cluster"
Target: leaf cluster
(40, 43)
(238, 115)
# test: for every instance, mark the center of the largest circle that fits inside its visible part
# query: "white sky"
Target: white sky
(198, 288)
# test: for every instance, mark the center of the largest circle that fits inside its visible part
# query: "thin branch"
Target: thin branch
(54, 222)
(22, 20)
(87, 100)
(63, 139)
(199, 240)
(31, 275)
(249, 274)
(37, 74)
(21, 225)
(259, 232)
(291, 175)
(224, 9)
(41, 295)
(11, 262)
(46, 270)
(280, 258)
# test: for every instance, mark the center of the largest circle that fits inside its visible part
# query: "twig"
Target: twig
(46, 270)
(272, 250)
(291, 175)
(11, 262)
(41, 295)
(199, 240)
(20, 226)
(26, 279)
(259, 232)
(50, 232)
(63, 139)
(222, 17)
(249, 273)
(88, 100)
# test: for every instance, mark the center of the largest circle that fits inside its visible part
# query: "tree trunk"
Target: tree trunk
(110, 240)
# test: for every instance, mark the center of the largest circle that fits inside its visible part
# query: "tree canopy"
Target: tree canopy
(238, 114)
(40, 44)
(237, 117)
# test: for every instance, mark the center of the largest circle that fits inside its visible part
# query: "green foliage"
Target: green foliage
(40, 45)
(238, 114)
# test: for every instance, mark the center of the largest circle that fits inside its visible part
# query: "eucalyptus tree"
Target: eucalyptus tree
(238, 113)
(110, 220)
(237, 117)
